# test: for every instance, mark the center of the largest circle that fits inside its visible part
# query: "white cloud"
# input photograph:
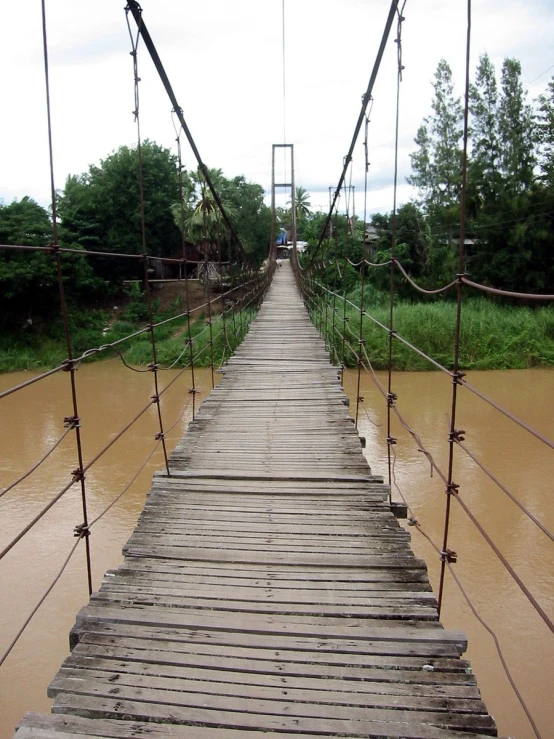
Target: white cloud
(224, 61)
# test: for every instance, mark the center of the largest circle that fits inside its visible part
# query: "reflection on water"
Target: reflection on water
(110, 396)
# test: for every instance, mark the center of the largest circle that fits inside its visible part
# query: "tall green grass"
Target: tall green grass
(492, 336)
(48, 349)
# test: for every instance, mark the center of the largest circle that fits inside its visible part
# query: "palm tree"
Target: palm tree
(302, 201)
(199, 216)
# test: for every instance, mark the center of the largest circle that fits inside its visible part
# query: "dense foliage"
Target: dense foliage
(509, 236)
(510, 203)
(100, 211)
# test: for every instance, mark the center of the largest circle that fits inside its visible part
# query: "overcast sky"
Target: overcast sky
(224, 59)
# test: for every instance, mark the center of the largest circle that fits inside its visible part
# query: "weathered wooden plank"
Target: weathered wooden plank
(267, 590)
(305, 676)
(39, 726)
(250, 713)
(145, 686)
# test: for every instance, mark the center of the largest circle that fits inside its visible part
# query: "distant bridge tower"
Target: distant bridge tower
(284, 185)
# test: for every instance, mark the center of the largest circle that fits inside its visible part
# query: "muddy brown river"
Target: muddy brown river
(110, 395)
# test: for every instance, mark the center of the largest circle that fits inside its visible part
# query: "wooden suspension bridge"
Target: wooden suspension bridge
(268, 589)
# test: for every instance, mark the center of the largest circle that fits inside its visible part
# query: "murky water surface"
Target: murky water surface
(110, 396)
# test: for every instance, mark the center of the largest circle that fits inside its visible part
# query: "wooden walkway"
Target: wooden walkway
(267, 589)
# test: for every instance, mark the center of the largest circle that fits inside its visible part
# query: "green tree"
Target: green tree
(200, 219)
(243, 201)
(484, 177)
(516, 131)
(436, 165)
(545, 134)
(302, 203)
(100, 209)
(28, 279)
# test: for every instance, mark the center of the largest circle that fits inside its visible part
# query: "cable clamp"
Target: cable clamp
(448, 555)
(72, 422)
(54, 248)
(193, 391)
(457, 376)
(452, 488)
(360, 398)
(391, 440)
(68, 365)
(391, 398)
(81, 531)
(160, 435)
(456, 435)
(79, 475)
(412, 521)
(153, 366)
(155, 398)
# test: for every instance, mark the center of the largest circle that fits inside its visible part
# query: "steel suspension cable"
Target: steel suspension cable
(451, 487)
(70, 367)
(185, 265)
(391, 397)
(134, 8)
(147, 288)
(45, 456)
(362, 275)
(365, 102)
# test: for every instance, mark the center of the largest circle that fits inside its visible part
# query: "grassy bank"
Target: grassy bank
(492, 337)
(34, 349)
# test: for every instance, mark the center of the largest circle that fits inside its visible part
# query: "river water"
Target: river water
(110, 396)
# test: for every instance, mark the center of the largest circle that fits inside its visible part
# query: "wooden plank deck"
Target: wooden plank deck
(267, 589)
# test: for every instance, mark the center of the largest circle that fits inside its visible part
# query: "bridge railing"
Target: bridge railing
(205, 333)
(343, 324)
(322, 277)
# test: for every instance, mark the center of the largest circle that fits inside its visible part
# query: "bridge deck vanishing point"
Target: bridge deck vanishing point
(267, 589)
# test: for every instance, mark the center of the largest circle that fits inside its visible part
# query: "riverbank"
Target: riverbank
(492, 337)
(41, 344)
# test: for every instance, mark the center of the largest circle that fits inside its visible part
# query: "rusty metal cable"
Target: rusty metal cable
(37, 518)
(56, 444)
(512, 497)
(185, 260)
(505, 293)
(508, 414)
(365, 102)
(397, 336)
(460, 379)
(499, 651)
(70, 367)
(413, 521)
(422, 289)
(391, 397)
(27, 383)
(451, 487)
(507, 566)
(134, 8)
(83, 533)
(118, 436)
(42, 599)
(126, 488)
(147, 288)
(363, 266)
